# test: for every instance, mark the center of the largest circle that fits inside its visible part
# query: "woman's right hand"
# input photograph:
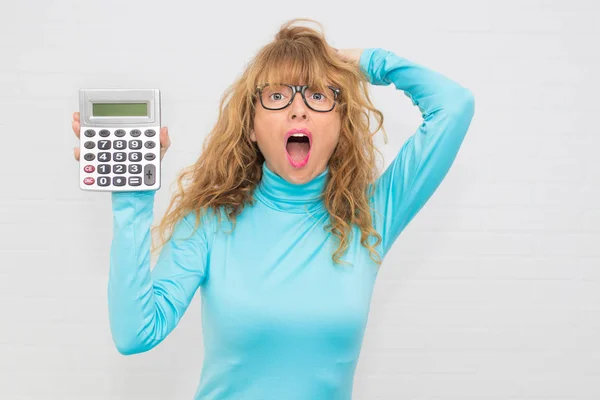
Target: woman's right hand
(165, 141)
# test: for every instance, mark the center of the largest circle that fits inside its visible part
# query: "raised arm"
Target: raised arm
(145, 306)
(426, 157)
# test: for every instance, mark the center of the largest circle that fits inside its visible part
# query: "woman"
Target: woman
(261, 222)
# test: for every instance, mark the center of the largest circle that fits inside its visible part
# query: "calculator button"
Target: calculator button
(135, 144)
(103, 181)
(135, 156)
(135, 180)
(135, 168)
(103, 144)
(89, 157)
(89, 169)
(120, 133)
(90, 133)
(135, 132)
(103, 156)
(150, 156)
(120, 156)
(149, 132)
(104, 169)
(119, 181)
(104, 133)
(89, 145)
(89, 180)
(119, 168)
(149, 145)
(120, 144)
(149, 172)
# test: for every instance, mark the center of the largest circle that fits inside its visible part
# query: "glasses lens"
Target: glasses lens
(278, 96)
(320, 100)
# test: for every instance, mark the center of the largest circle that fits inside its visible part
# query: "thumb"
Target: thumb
(165, 140)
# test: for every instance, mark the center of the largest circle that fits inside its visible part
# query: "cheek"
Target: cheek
(258, 128)
(265, 135)
(333, 128)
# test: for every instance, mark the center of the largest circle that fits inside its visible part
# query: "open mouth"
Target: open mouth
(298, 149)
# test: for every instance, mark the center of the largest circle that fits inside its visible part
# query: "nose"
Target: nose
(298, 108)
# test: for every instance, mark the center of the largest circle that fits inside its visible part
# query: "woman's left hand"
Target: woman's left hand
(350, 55)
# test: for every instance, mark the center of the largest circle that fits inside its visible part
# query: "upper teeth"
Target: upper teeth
(298, 134)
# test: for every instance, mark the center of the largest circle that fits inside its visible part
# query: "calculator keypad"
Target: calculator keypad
(116, 159)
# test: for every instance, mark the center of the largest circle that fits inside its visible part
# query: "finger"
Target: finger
(165, 140)
(342, 54)
(163, 150)
(76, 153)
(76, 115)
(76, 127)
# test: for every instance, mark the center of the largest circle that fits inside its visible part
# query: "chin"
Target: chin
(302, 175)
(297, 175)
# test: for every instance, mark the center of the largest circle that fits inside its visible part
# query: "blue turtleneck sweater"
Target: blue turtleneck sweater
(280, 319)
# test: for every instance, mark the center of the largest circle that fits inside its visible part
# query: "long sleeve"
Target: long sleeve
(146, 305)
(426, 157)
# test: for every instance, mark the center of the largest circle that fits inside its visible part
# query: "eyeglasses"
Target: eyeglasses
(278, 97)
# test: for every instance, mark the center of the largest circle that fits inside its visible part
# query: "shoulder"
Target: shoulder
(202, 223)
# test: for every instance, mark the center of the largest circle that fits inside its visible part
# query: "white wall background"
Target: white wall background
(492, 292)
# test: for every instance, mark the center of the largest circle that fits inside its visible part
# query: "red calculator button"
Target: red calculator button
(89, 168)
(89, 180)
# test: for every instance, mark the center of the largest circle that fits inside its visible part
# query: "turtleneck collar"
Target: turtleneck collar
(282, 195)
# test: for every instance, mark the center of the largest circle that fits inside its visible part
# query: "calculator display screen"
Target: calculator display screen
(120, 109)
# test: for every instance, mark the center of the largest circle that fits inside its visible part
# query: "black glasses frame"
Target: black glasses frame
(298, 89)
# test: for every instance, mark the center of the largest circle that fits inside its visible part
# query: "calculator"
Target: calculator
(119, 139)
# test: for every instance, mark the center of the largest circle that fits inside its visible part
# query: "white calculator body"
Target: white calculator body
(119, 139)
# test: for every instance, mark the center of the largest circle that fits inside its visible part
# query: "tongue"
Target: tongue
(298, 151)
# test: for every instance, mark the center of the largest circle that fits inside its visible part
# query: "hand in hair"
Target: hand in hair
(350, 55)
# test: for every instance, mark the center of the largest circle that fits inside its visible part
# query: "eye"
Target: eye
(319, 94)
